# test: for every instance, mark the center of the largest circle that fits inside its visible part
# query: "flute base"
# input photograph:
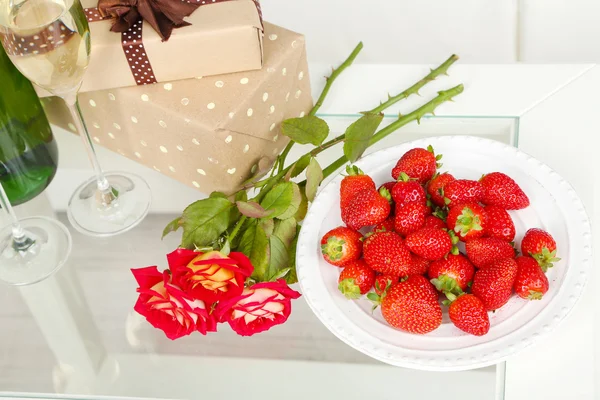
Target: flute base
(43, 250)
(111, 212)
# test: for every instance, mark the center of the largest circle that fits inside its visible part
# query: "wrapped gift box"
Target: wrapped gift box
(223, 37)
(207, 132)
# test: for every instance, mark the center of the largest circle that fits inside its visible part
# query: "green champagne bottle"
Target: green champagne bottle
(28, 152)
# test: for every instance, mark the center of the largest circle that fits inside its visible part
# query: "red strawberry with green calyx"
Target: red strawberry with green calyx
(341, 245)
(468, 314)
(353, 183)
(468, 220)
(382, 284)
(432, 221)
(432, 244)
(409, 217)
(540, 245)
(501, 190)
(418, 163)
(412, 306)
(451, 274)
(483, 251)
(385, 226)
(367, 207)
(435, 188)
(462, 191)
(531, 282)
(408, 190)
(386, 253)
(493, 284)
(356, 279)
(499, 224)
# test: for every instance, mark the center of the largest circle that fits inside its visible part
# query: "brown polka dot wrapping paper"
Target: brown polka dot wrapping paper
(209, 131)
(222, 37)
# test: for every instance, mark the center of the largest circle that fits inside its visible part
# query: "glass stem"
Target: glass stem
(73, 105)
(20, 239)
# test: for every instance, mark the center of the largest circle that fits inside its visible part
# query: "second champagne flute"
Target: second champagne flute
(49, 42)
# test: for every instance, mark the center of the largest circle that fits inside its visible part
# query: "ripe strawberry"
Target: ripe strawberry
(483, 251)
(388, 185)
(435, 188)
(501, 190)
(462, 191)
(468, 314)
(367, 207)
(341, 245)
(540, 245)
(468, 220)
(409, 217)
(531, 282)
(431, 221)
(386, 253)
(418, 266)
(417, 163)
(385, 226)
(493, 284)
(353, 183)
(356, 279)
(412, 306)
(408, 190)
(499, 224)
(431, 244)
(383, 283)
(451, 273)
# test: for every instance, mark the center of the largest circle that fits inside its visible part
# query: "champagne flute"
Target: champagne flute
(49, 42)
(34, 248)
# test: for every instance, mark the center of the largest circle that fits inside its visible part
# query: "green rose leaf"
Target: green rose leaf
(285, 230)
(279, 257)
(268, 226)
(234, 214)
(255, 246)
(359, 133)
(314, 176)
(259, 170)
(278, 199)
(252, 209)
(305, 130)
(203, 221)
(291, 277)
(171, 227)
(294, 203)
(298, 167)
(303, 208)
(215, 195)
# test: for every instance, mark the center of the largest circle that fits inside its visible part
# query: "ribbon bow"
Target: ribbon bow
(163, 15)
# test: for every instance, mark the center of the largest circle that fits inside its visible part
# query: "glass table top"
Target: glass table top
(76, 333)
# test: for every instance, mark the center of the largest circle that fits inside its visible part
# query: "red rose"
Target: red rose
(258, 308)
(210, 276)
(167, 307)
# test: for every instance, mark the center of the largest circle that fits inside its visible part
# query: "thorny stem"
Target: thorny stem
(329, 82)
(416, 115)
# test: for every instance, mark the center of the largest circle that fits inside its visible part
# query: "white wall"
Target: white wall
(427, 31)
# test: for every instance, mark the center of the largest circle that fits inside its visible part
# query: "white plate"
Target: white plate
(554, 207)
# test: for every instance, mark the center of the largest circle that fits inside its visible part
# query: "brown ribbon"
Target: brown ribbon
(162, 15)
(128, 15)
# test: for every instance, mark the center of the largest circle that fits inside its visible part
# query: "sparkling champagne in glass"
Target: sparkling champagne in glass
(49, 42)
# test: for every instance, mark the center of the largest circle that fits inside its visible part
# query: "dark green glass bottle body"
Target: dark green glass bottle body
(28, 152)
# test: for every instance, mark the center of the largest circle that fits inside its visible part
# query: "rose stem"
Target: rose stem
(442, 69)
(335, 72)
